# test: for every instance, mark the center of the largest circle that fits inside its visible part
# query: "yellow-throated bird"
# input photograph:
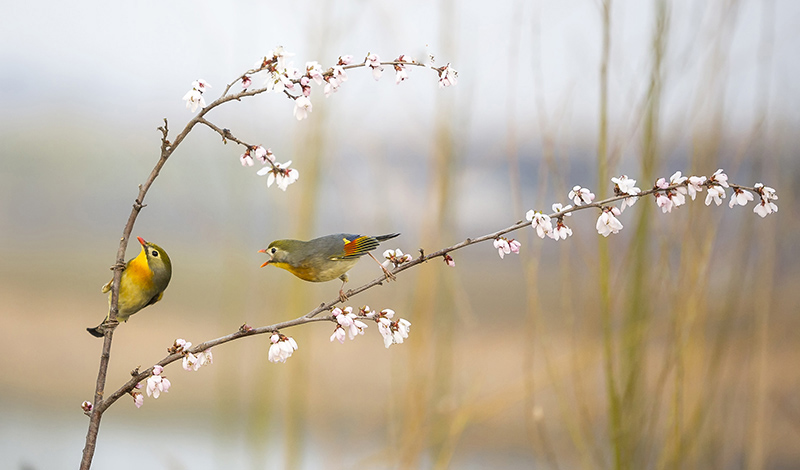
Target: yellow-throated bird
(325, 258)
(143, 283)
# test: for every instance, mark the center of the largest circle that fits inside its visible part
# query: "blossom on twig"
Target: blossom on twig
(395, 257)
(302, 106)
(715, 194)
(607, 223)
(505, 246)
(720, 178)
(766, 206)
(400, 69)
(156, 383)
(695, 185)
(194, 97)
(540, 222)
(138, 399)
(281, 174)
(282, 347)
(561, 232)
(670, 196)
(624, 185)
(264, 155)
(246, 159)
(375, 63)
(179, 346)
(190, 362)
(581, 195)
(393, 332)
(740, 197)
(448, 76)
(347, 322)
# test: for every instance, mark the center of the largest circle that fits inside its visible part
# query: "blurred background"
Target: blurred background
(671, 345)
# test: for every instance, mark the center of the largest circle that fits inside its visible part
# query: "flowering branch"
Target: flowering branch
(283, 78)
(349, 322)
(296, 85)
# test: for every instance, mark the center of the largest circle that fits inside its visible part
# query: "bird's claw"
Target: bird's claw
(389, 275)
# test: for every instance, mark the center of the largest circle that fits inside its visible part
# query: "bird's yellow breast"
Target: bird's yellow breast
(138, 274)
(305, 273)
(136, 287)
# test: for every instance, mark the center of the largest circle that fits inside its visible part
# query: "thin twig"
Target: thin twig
(167, 148)
(328, 306)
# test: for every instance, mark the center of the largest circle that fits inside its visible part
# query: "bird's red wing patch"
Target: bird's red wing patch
(359, 247)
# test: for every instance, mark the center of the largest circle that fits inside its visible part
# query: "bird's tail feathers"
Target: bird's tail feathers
(383, 238)
(97, 332)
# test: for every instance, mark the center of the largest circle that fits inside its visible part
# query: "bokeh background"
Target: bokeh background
(671, 345)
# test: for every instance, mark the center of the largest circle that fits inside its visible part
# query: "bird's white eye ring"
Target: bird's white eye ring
(273, 250)
(155, 254)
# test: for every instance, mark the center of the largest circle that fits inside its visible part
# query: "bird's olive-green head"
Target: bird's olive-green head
(282, 252)
(158, 261)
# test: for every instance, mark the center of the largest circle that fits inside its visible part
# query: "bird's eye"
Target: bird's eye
(273, 250)
(155, 254)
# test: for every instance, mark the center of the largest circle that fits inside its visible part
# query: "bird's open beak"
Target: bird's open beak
(265, 252)
(141, 240)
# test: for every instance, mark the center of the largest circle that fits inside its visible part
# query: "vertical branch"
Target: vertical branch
(94, 421)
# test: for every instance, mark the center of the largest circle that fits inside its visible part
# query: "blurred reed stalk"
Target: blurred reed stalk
(430, 427)
(763, 301)
(540, 443)
(604, 263)
(233, 297)
(291, 412)
(638, 310)
(310, 150)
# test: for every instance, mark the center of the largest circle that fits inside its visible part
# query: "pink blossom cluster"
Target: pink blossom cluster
(392, 331)
(296, 83)
(505, 246)
(194, 97)
(282, 347)
(668, 194)
(395, 258)
(191, 361)
(347, 323)
(280, 173)
(283, 77)
(158, 383)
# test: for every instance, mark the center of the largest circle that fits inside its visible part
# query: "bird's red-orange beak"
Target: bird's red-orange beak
(267, 262)
(141, 240)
